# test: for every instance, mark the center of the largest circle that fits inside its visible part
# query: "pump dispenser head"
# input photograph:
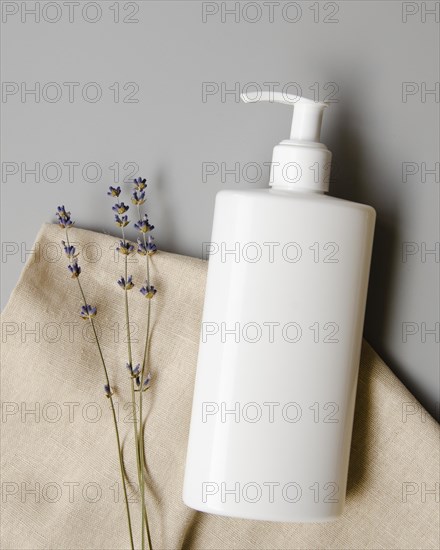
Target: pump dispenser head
(301, 162)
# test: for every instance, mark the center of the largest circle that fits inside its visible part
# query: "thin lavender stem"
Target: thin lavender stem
(118, 441)
(141, 430)
(130, 359)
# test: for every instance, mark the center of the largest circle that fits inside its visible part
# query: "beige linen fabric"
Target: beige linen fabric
(60, 481)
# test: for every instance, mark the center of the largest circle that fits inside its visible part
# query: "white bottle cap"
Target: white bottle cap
(301, 162)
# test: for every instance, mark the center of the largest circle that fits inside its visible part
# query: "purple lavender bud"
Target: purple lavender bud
(120, 208)
(141, 249)
(143, 225)
(151, 247)
(69, 250)
(125, 248)
(114, 191)
(148, 291)
(122, 221)
(140, 184)
(64, 220)
(126, 284)
(138, 198)
(146, 383)
(147, 380)
(87, 311)
(74, 269)
(61, 213)
(134, 372)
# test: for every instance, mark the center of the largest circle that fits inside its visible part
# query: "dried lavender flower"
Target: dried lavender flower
(74, 269)
(143, 225)
(125, 248)
(121, 221)
(140, 184)
(120, 208)
(138, 198)
(87, 311)
(126, 284)
(64, 220)
(148, 291)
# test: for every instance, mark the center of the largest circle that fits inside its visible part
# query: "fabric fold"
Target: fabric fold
(59, 468)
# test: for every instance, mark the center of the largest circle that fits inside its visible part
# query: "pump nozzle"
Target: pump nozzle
(307, 114)
(304, 145)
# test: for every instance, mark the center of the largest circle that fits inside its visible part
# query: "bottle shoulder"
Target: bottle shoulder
(274, 197)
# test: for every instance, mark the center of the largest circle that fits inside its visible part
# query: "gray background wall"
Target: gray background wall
(149, 63)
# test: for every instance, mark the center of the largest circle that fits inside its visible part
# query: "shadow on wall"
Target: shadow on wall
(350, 182)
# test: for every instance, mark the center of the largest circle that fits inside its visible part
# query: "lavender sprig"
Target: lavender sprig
(146, 247)
(126, 283)
(89, 312)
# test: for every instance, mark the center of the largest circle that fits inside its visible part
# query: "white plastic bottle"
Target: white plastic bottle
(280, 342)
